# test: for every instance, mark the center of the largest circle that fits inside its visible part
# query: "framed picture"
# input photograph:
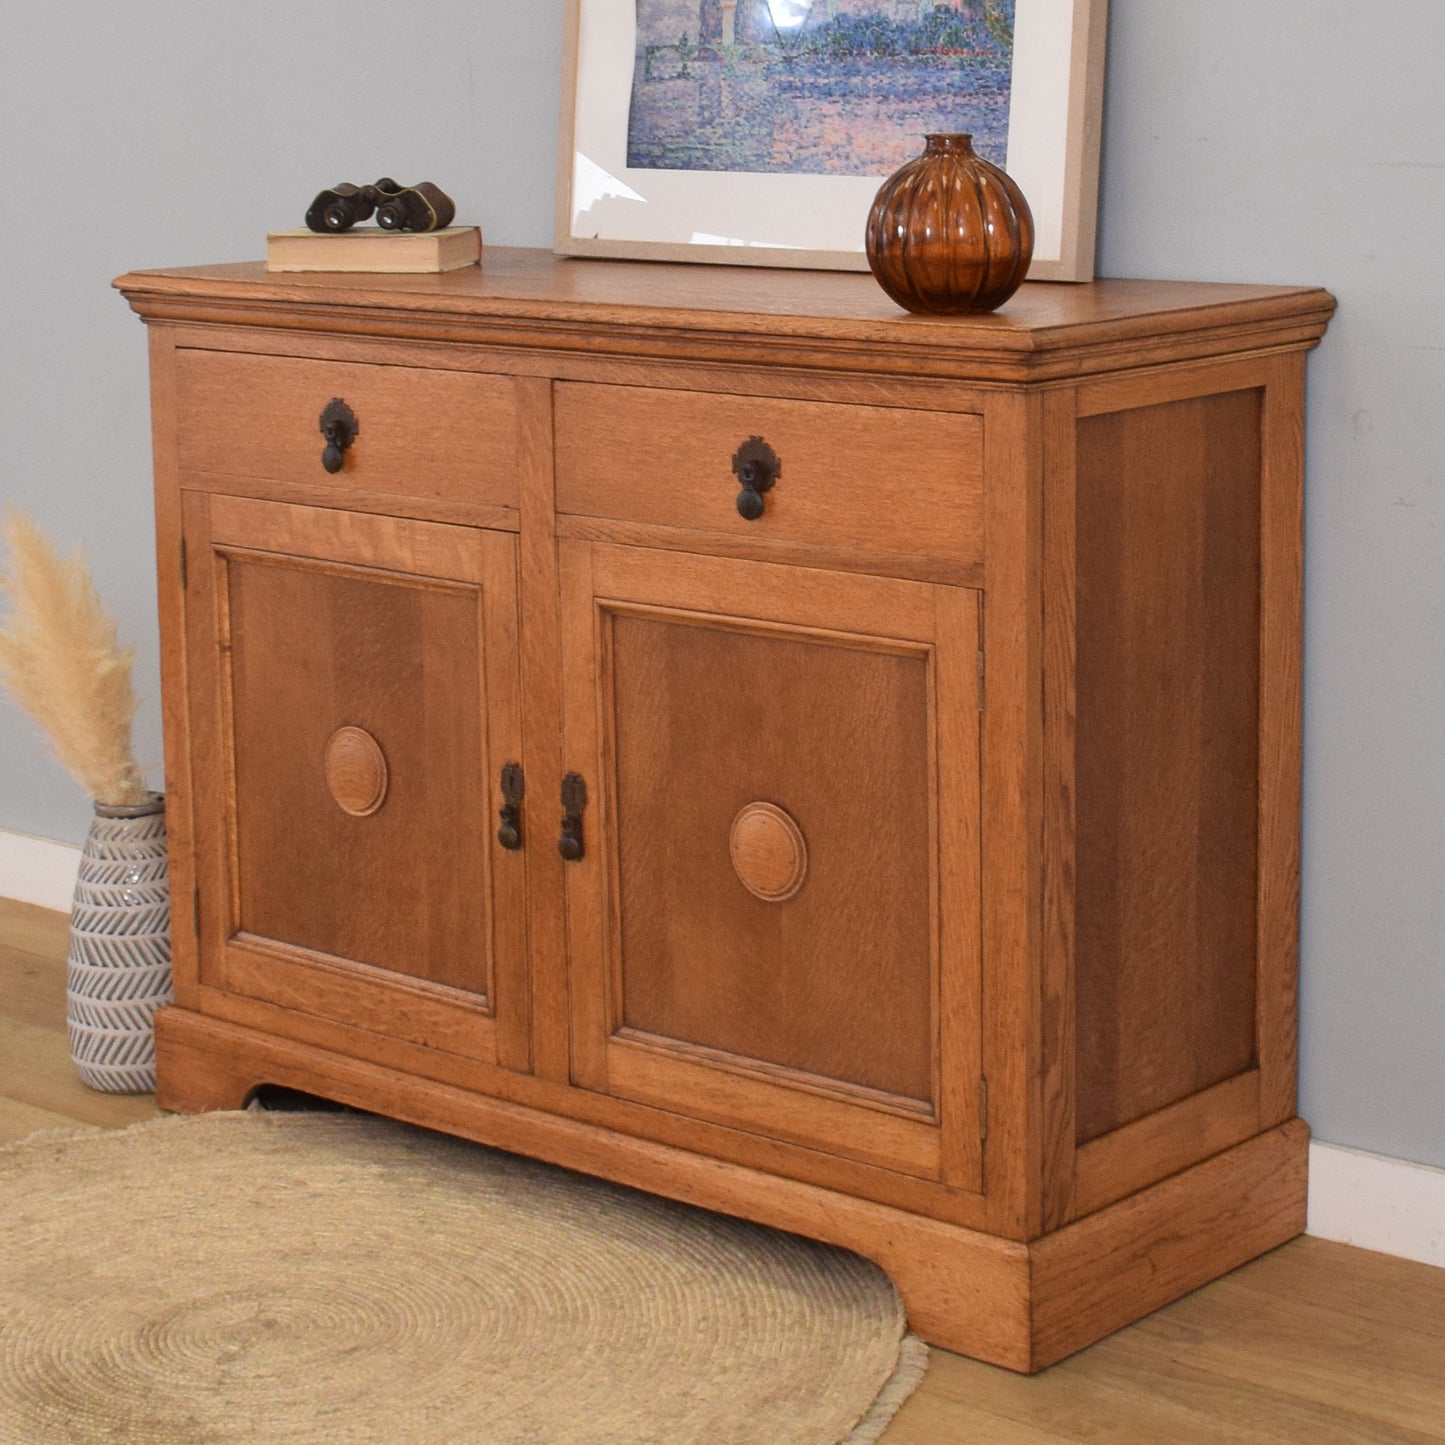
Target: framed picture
(757, 132)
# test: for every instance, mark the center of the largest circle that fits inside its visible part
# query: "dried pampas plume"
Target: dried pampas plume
(61, 661)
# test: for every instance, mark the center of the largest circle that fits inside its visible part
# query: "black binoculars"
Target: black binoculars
(397, 208)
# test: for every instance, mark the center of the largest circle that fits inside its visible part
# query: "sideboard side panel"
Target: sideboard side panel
(1166, 753)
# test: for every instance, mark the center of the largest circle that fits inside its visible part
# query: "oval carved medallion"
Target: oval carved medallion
(356, 771)
(769, 853)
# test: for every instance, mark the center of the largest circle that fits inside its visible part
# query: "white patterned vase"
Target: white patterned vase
(119, 964)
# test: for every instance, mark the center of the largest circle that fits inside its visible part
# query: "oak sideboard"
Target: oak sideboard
(707, 728)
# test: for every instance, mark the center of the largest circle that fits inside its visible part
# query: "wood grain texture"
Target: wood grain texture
(1160, 385)
(768, 851)
(39, 1088)
(521, 299)
(350, 992)
(1011, 810)
(913, 567)
(352, 499)
(172, 579)
(349, 539)
(683, 373)
(1202, 1123)
(40, 933)
(410, 637)
(1128, 1259)
(699, 687)
(356, 771)
(781, 1101)
(1166, 753)
(395, 662)
(541, 706)
(870, 479)
(1281, 704)
(955, 903)
(436, 434)
(1014, 643)
(213, 901)
(1162, 1143)
(710, 719)
(1057, 1123)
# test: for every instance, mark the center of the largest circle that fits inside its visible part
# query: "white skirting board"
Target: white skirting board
(35, 870)
(1368, 1200)
(1378, 1203)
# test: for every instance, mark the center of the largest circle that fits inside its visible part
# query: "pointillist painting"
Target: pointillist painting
(815, 87)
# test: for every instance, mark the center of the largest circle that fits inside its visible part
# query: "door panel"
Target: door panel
(360, 697)
(691, 760)
(391, 661)
(773, 926)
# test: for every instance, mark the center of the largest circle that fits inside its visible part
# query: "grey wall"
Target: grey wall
(1306, 143)
(1291, 143)
(178, 132)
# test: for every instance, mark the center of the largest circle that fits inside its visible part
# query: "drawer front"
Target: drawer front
(436, 435)
(880, 480)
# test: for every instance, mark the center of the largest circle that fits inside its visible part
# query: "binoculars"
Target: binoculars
(397, 208)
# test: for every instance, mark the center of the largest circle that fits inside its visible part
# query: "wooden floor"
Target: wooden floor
(1316, 1344)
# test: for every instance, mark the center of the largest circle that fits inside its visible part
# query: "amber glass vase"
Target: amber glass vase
(950, 232)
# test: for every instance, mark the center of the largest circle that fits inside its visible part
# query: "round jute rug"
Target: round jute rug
(313, 1277)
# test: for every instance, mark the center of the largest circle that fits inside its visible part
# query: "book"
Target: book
(369, 248)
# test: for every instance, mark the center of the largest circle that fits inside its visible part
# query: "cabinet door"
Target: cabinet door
(775, 923)
(354, 700)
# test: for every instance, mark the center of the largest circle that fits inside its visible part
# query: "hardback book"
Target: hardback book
(369, 248)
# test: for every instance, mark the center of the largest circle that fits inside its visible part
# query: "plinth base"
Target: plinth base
(1020, 1305)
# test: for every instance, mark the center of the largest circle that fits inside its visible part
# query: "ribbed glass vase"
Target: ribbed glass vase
(118, 970)
(949, 232)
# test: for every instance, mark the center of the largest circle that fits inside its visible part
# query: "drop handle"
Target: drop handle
(339, 426)
(574, 800)
(514, 786)
(757, 467)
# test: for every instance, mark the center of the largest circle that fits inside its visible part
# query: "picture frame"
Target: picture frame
(731, 100)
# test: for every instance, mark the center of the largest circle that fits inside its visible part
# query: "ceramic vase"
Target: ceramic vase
(119, 962)
(949, 232)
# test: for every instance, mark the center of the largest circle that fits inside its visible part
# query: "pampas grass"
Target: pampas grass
(61, 661)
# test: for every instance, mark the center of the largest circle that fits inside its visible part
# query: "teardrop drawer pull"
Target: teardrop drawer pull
(514, 788)
(356, 771)
(339, 426)
(574, 799)
(768, 851)
(756, 466)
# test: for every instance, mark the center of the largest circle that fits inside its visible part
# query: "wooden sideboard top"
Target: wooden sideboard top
(726, 313)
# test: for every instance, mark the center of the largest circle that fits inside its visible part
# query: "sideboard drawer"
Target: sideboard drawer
(878, 480)
(438, 435)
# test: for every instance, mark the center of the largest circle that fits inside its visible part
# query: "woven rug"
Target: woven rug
(320, 1277)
